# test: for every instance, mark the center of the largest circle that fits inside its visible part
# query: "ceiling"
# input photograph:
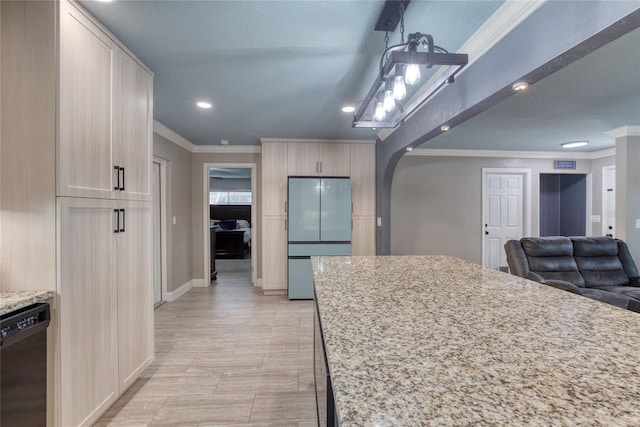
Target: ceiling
(283, 69)
(274, 69)
(582, 101)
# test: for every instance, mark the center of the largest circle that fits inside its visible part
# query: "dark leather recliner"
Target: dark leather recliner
(600, 268)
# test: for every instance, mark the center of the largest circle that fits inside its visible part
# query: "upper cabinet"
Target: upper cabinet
(133, 129)
(105, 113)
(85, 143)
(319, 159)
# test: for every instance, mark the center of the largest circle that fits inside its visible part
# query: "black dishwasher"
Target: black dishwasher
(23, 371)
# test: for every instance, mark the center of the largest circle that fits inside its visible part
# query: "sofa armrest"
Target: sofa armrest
(564, 286)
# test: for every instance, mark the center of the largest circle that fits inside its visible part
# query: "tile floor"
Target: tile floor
(226, 355)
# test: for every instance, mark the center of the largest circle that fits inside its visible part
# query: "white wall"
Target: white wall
(436, 202)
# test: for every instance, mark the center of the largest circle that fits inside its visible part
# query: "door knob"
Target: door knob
(611, 227)
(486, 232)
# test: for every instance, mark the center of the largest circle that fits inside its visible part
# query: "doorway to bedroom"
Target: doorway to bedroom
(231, 217)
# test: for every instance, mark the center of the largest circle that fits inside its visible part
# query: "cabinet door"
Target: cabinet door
(303, 159)
(88, 356)
(85, 164)
(363, 178)
(335, 159)
(135, 302)
(274, 254)
(363, 240)
(133, 121)
(274, 178)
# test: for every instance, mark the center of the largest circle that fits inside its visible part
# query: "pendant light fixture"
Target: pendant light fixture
(401, 65)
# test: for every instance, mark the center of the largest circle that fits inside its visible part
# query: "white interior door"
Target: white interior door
(503, 214)
(608, 200)
(157, 236)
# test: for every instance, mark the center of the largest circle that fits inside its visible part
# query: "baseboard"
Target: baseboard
(200, 283)
(174, 295)
(270, 292)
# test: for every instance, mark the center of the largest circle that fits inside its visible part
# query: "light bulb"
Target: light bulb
(389, 104)
(379, 113)
(399, 89)
(412, 74)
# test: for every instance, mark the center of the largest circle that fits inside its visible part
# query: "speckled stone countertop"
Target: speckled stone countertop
(15, 300)
(435, 340)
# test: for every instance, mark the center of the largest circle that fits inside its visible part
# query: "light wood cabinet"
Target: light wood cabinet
(312, 158)
(105, 114)
(274, 178)
(93, 112)
(88, 353)
(133, 128)
(318, 159)
(363, 236)
(274, 254)
(85, 143)
(135, 300)
(363, 179)
(106, 306)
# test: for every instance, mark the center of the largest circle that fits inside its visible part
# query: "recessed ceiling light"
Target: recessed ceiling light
(520, 86)
(224, 142)
(444, 128)
(348, 109)
(409, 148)
(574, 144)
(203, 104)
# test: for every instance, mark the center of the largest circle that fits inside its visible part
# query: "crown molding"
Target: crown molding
(506, 18)
(227, 149)
(180, 141)
(624, 131)
(308, 140)
(431, 152)
(167, 133)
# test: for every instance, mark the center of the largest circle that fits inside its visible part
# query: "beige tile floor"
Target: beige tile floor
(225, 355)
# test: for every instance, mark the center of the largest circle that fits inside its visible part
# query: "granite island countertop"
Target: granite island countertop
(435, 340)
(15, 300)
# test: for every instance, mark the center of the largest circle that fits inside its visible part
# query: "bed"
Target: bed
(232, 225)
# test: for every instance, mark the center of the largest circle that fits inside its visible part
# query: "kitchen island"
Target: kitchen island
(435, 340)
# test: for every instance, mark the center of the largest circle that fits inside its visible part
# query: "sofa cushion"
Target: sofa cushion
(594, 246)
(629, 291)
(622, 301)
(598, 262)
(547, 246)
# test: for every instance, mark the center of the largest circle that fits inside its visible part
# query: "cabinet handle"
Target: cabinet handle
(117, 169)
(285, 207)
(317, 167)
(320, 167)
(285, 224)
(123, 220)
(117, 218)
(122, 186)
